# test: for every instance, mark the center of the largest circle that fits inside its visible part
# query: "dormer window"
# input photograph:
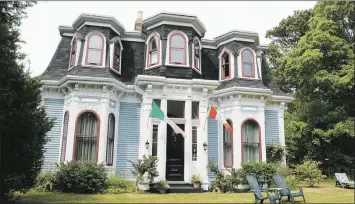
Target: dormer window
(73, 52)
(95, 45)
(177, 50)
(197, 55)
(115, 54)
(247, 63)
(226, 64)
(153, 51)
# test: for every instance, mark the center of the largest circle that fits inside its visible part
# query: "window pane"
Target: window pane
(195, 110)
(228, 150)
(153, 44)
(176, 109)
(177, 41)
(226, 59)
(247, 56)
(251, 143)
(155, 140)
(247, 69)
(178, 55)
(94, 56)
(95, 42)
(86, 137)
(110, 139)
(194, 143)
(154, 57)
(226, 70)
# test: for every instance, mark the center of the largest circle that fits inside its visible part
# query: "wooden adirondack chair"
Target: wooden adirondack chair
(342, 180)
(281, 183)
(255, 188)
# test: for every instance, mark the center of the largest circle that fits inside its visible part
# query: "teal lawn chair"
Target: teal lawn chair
(281, 183)
(255, 188)
(342, 180)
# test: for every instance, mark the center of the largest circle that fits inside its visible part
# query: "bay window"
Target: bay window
(251, 146)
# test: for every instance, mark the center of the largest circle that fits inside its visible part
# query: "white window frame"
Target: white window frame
(167, 56)
(240, 64)
(78, 47)
(83, 61)
(193, 55)
(159, 47)
(112, 53)
(231, 61)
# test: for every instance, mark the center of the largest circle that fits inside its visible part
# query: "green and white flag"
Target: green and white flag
(156, 112)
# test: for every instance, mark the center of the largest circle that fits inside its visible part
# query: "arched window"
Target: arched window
(251, 146)
(153, 50)
(177, 43)
(86, 137)
(225, 66)
(95, 49)
(248, 64)
(110, 140)
(64, 137)
(197, 54)
(228, 146)
(73, 52)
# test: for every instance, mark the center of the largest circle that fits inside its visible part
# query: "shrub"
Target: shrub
(284, 171)
(274, 153)
(146, 165)
(291, 180)
(44, 182)
(263, 172)
(310, 173)
(222, 183)
(81, 177)
(162, 184)
(118, 185)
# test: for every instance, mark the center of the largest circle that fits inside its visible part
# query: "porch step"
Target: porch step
(180, 187)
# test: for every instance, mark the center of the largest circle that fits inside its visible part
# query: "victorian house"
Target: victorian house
(102, 79)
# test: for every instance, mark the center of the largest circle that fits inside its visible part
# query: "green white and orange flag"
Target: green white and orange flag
(156, 112)
(214, 114)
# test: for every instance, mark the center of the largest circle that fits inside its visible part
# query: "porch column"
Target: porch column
(188, 141)
(202, 155)
(162, 141)
(103, 130)
(282, 129)
(144, 125)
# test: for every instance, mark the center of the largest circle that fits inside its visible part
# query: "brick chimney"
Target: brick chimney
(138, 24)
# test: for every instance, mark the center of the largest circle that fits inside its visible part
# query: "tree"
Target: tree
(313, 54)
(23, 121)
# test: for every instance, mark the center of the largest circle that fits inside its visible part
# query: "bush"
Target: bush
(291, 180)
(117, 185)
(44, 182)
(274, 153)
(310, 173)
(284, 171)
(223, 183)
(146, 165)
(263, 172)
(81, 177)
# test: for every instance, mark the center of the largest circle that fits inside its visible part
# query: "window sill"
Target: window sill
(178, 65)
(93, 66)
(152, 67)
(197, 70)
(71, 67)
(226, 79)
(251, 78)
(117, 72)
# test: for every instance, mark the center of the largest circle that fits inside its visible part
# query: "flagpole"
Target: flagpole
(208, 112)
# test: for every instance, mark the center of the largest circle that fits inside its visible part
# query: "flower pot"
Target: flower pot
(162, 191)
(197, 185)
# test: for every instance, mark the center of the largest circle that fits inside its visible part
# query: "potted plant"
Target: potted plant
(162, 186)
(196, 181)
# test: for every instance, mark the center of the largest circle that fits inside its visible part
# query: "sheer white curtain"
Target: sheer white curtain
(86, 136)
(250, 141)
(110, 139)
(228, 149)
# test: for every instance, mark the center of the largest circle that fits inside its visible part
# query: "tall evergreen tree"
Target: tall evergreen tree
(316, 60)
(23, 121)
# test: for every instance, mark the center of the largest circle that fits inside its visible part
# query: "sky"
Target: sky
(40, 29)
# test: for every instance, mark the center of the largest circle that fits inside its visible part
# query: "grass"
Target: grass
(326, 193)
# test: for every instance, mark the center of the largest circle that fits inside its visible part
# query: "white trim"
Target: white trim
(68, 34)
(209, 47)
(91, 23)
(167, 55)
(167, 22)
(147, 54)
(78, 49)
(240, 71)
(241, 90)
(112, 48)
(193, 55)
(231, 61)
(132, 39)
(281, 98)
(236, 39)
(85, 49)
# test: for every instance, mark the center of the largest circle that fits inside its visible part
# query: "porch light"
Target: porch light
(205, 146)
(147, 145)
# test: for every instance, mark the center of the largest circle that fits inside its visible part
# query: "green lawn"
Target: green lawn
(327, 193)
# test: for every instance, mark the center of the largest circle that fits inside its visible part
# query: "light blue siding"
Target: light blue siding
(128, 138)
(54, 109)
(271, 126)
(212, 133)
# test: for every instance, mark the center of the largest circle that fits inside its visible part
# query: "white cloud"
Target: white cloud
(40, 29)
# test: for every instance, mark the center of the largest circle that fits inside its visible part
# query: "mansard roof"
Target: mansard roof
(238, 35)
(251, 83)
(175, 19)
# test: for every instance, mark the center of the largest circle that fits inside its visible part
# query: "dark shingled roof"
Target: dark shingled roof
(276, 90)
(241, 82)
(93, 72)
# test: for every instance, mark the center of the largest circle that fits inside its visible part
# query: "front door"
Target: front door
(174, 155)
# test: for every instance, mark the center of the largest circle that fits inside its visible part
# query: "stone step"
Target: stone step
(184, 190)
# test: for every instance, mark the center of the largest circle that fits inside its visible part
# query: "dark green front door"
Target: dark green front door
(174, 155)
